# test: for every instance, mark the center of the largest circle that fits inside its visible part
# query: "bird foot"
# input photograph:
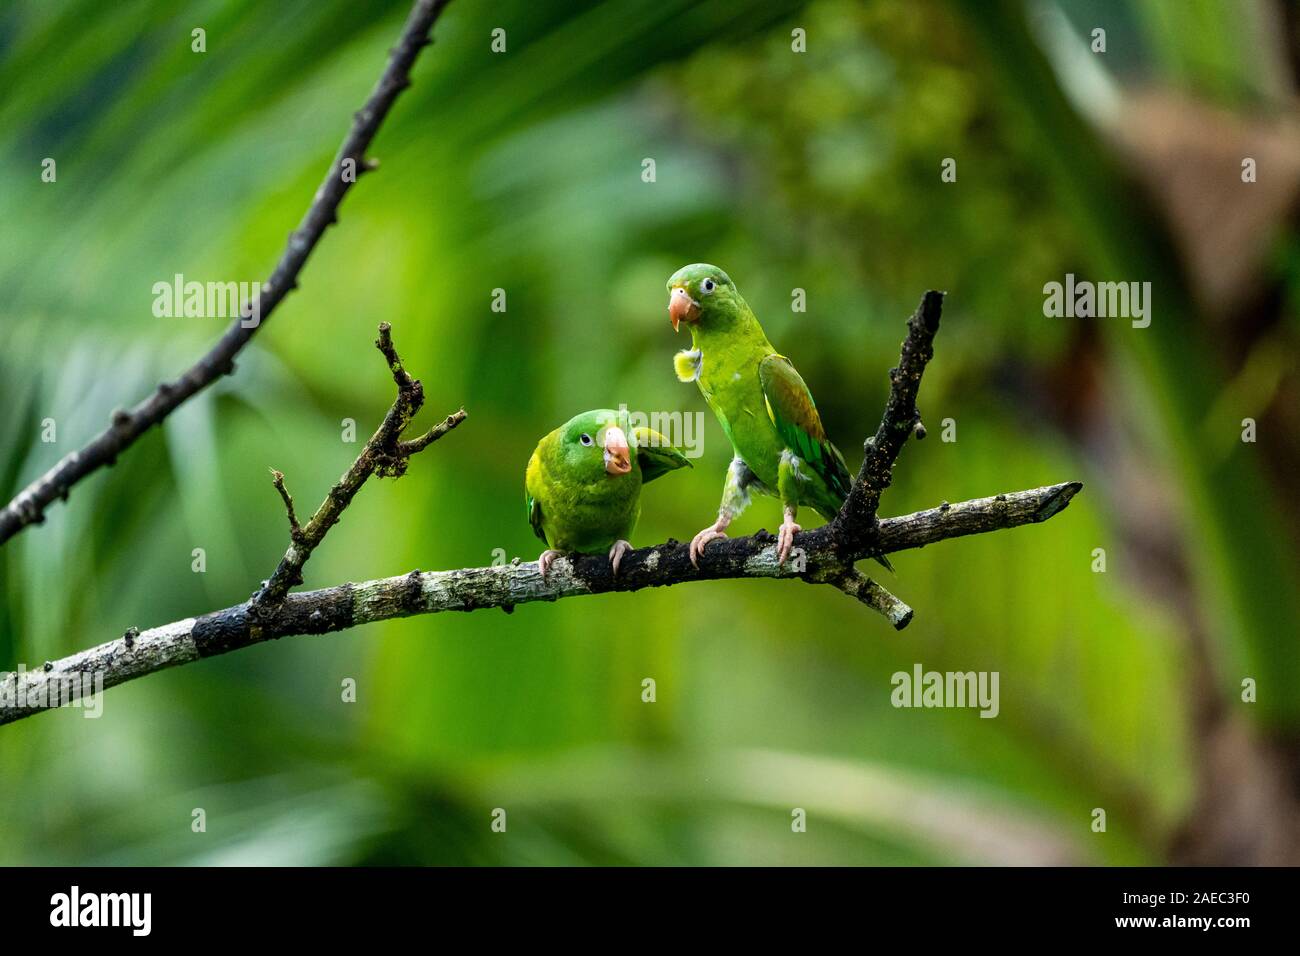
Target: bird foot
(785, 539)
(616, 553)
(544, 560)
(715, 530)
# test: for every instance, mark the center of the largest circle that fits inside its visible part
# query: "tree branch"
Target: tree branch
(345, 606)
(857, 585)
(901, 419)
(29, 505)
(277, 479)
(408, 448)
(384, 453)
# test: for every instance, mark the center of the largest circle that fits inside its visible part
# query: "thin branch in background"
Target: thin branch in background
(384, 453)
(29, 505)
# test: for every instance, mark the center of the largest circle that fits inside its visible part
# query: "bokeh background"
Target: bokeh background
(819, 170)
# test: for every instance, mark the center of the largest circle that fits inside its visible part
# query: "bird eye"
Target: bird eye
(707, 285)
(585, 439)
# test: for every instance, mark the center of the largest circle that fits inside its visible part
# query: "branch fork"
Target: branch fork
(856, 526)
(384, 454)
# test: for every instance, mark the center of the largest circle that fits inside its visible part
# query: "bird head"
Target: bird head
(596, 441)
(700, 294)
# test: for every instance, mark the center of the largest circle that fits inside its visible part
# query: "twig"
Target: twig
(416, 445)
(857, 585)
(277, 479)
(384, 453)
(506, 586)
(29, 505)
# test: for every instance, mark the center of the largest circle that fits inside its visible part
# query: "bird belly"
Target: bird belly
(592, 519)
(736, 398)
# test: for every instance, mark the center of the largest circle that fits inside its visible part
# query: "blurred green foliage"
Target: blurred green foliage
(522, 171)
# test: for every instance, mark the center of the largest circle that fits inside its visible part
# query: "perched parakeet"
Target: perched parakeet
(764, 407)
(583, 484)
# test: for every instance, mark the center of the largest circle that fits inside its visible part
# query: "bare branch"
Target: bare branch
(416, 445)
(857, 585)
(901, 419)
(277, 479)
(384, 453)
(29, 505)
(384, 343)
(469, 589)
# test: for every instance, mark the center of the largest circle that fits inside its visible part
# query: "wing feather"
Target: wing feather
(792, 410)
(532, 479)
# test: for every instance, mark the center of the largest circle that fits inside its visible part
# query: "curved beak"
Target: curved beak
(682, 308)
(618, 457)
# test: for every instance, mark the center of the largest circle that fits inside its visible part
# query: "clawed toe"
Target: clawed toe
(616, 553)
(544, 561)
(699, 542)
(785, 541)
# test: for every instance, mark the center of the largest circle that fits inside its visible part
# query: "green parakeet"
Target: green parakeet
(764, 407)
(583, 484)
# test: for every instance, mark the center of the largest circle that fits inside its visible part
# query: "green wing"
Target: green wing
(533, 477)
(655, 454)
(535, 515)
(794, 413)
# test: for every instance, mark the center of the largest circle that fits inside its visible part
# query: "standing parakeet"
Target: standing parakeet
(583, 484)
(764, 407)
